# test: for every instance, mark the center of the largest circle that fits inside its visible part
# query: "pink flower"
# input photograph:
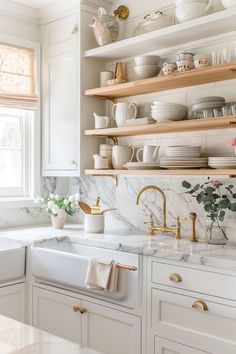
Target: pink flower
(231, 142)
(216, 183)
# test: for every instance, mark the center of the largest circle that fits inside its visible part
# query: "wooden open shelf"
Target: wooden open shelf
(162, 83)
(164, 172)
(204, 28)
(165, 127)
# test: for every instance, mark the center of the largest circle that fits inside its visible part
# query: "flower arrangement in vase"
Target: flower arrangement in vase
(217, 199)
(57, 207)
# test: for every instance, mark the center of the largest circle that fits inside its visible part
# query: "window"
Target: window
(18, 102)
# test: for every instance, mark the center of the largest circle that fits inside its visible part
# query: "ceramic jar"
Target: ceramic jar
(201, 61)
(58, 222)
(228, 4)
(106, 27)
(105, 150)
(100, 163)
(169, 68)
(190, 9)
(94, 224)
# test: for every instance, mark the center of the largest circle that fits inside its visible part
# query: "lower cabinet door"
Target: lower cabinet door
(163, 346)
(110, 331)
(12, 301)
(54, 313)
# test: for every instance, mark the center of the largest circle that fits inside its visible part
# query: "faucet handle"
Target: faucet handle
(149, 217)
(192, 217)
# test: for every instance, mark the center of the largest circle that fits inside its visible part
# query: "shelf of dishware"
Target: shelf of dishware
(164, 172)
(202, 28)
(176, 80)
(165, 127)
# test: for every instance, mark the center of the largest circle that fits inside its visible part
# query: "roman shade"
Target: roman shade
(17, 77)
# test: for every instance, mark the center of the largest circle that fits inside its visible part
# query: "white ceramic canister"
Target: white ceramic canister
(105, 150)
(94, 224)
(105, 76)
(100, 163)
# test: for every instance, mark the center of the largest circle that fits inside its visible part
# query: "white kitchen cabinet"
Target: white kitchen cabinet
(99, 327)
(60, 82)
(163, 346)
(110, 331)
(12, 301)
(53, 313)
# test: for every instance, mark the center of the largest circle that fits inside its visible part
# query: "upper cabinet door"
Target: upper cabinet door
(61, 98)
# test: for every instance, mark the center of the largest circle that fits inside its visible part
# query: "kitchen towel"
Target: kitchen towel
(102, 275)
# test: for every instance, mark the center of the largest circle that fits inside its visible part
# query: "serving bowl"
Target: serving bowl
(168, 114)
(191, 10)
(228, 4)
(147, 60)
(169, 104)
(146, 71)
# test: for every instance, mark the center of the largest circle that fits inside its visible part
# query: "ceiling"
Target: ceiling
(34, 3)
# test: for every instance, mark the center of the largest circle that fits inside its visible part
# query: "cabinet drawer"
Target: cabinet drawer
(173, 317)
(164, 346)
(220, 285)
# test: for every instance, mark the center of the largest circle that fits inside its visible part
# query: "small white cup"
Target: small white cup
(121, 154)
(150, 154)
(104, 77)
(94, 224)
(101, 122)
(100, 163)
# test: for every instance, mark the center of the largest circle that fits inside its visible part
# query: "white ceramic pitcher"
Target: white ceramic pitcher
(121, 112)
(190, 9)
(121, 154)
(150, 154)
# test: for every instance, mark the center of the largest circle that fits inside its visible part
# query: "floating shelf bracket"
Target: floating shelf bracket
(114, 100)
(114, 178)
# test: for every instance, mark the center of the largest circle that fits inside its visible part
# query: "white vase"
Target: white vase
(58, 222)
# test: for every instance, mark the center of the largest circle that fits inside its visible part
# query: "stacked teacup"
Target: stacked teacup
(185, 61)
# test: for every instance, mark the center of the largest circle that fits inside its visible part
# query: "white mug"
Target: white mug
(121, 112)
(104, 77)
(150, 154)
(101, 122)
(121, 154)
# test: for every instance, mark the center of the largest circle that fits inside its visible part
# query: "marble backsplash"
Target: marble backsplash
(130, 217)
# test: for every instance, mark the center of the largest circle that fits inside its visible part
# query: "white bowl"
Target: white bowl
(191, 10)
(181, 2)
(146, 71)
(170, 108)
(228, 4)
(169, 104)
(147, 60)
(160, 116)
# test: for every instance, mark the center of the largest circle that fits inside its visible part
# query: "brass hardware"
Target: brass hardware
(126, 266)
(122, 12)
(200, 305)
(75, 29)
(77, 308)
(106, 98)
(193, 236)
(175, 277)
(164, 228)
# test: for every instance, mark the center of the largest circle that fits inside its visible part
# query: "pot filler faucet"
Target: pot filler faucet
(164, 228)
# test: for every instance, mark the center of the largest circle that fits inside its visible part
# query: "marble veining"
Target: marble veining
(18, 338)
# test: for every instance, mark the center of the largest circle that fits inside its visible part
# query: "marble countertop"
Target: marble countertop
(160, 246)
(18, 338)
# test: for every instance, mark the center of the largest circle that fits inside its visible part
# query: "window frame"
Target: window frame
(34, 133)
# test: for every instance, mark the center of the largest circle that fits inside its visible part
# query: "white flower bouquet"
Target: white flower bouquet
(55, 205)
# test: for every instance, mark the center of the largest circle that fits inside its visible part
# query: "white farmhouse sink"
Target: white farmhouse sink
(12, 261)
(64, 264)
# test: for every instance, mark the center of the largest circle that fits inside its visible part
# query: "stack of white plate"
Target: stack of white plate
(142, 166)
(183, 162)
(165, 111)
(183, 151)
(222, 162)
(207, 103)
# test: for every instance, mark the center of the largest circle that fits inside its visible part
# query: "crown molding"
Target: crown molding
(21, 13)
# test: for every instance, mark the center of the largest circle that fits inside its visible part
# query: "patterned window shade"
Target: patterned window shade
(17, 77)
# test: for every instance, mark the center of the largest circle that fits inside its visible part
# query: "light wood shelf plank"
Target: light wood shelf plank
(162, 83)
(164, 172)
(166, 127)
(200, 28)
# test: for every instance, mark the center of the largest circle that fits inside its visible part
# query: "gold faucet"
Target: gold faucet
(164, 228)
(193, 236)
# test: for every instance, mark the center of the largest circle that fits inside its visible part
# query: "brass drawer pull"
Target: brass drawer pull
(175, 277)
(77, 308)
(200, 305)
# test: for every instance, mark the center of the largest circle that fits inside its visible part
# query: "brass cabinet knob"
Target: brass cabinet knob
(77, 308)
(175, 277)
(200, 305)
(75, 29)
